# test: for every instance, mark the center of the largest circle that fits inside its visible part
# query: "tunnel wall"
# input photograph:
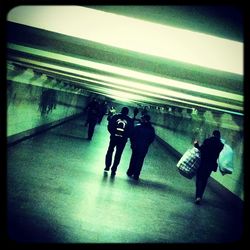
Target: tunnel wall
(36, 102)
(178, 128)
(33, 107)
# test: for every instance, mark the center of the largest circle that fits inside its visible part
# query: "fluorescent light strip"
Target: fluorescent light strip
(145, 99)
(120, 94)
(158, 101)
(159, 95)
(125, 72)
(135, 35)
(140, 87)
(119, 98)
(132, 85)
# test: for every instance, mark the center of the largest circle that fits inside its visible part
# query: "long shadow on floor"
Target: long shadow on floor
(29, 229)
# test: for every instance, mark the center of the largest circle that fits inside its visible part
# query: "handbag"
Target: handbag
(189, 163)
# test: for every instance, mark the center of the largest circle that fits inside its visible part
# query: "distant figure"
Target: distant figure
(120, 127)
(92, 117)
(136, 111)
(111, 112)
(210, 150)
(144, 111)
(48, 101)
(142, 136)
(103, 111)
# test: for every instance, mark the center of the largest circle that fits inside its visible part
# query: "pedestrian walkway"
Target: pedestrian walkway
(58, 193)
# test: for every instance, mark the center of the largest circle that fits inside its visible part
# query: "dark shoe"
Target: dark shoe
(197, 200)
(112, 174)
(106, 169)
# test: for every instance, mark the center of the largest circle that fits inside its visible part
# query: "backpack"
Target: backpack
(120, 127)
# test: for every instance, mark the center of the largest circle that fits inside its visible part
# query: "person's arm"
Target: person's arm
(196, 144)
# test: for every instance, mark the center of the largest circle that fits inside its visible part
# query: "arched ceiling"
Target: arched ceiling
(114, 71)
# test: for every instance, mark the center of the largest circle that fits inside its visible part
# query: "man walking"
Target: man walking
(93, 110)
(120, 127)
(210, 150)
(142, 136)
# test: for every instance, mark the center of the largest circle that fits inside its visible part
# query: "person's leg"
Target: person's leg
(86, 122)
(132, 162)
(109, 154)
(201, 182)
(100, 118)
(139, 164)
(119, 149)
(91, 129)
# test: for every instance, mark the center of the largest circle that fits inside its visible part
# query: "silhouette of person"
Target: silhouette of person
(120, 127)
(144, 111)
(142, 136)
(103, 111)
(136, 111)
(48, 101)
(92, 117)
(210, 150)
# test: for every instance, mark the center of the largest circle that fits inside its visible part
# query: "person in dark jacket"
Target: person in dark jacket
(93, 111)
(120, 127)
(103, 111)
(136, 111)
(210, 150)
(142, 136)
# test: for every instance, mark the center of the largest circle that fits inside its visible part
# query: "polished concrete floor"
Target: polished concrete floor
(58, 193)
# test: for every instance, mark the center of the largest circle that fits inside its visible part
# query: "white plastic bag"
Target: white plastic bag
(225, 160)
(189, 163)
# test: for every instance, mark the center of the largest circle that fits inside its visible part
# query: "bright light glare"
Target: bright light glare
(134, 87)
(135, 35)
(103, 91)
(137, 75)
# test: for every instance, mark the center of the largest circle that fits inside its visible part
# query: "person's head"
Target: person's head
(216, 133)
(125, 111)
(145, 119)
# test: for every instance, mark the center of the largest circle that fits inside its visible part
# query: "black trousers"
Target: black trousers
(91, 128)
(119, 144)
(136, 163)
(100, 118)
(202, 176)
